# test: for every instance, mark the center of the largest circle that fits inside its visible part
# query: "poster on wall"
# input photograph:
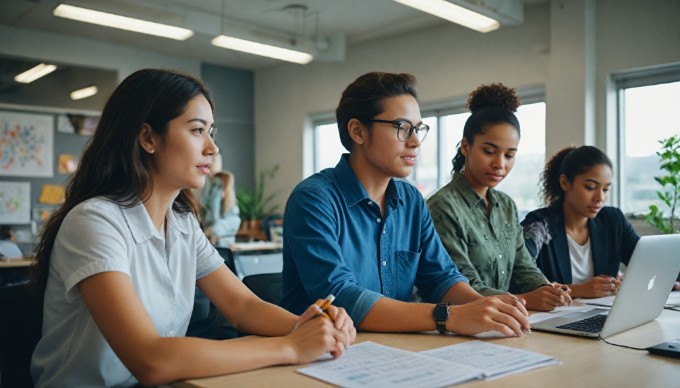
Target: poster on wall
(83, 125)
(15, 203)
(26, 144)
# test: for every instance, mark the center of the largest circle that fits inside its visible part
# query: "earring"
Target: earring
(361, 141)
(151, 151)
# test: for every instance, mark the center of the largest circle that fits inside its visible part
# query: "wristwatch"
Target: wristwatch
(440, 314)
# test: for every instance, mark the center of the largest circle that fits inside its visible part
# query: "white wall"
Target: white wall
(450, 61)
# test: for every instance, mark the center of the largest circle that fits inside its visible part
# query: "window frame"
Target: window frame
(655, 75)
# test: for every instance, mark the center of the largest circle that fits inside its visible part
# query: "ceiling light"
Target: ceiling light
(264, 50)
(36, 72)
(454, 13)
(122, 22)
(84, 93)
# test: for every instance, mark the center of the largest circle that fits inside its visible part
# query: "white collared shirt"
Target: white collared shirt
(101, 236)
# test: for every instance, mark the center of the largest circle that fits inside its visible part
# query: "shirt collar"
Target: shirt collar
(354, 191)
(470, 196)
(142, 228)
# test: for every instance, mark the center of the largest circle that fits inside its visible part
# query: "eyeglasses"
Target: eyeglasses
(405, 129)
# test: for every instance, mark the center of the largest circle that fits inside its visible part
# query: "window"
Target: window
(522, 183)
(327, 146)
(648, 103)
(433, 166)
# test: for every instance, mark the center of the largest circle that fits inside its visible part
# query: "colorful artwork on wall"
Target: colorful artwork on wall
(15, 203)
(26, 144)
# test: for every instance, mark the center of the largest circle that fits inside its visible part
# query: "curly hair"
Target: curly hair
(570, 161)
(490, 105)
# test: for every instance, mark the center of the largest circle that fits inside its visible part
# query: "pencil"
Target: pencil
(324, 305)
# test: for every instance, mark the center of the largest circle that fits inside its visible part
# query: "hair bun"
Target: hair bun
(496, 94)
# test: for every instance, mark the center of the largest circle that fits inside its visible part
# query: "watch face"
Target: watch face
(441, 312)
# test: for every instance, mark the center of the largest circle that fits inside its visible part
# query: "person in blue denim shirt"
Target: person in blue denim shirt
(358, 233)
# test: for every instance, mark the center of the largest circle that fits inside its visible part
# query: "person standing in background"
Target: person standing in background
(479, 225)
(221, 218)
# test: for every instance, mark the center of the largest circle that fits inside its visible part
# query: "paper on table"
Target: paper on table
(495, 361)
(374, 365)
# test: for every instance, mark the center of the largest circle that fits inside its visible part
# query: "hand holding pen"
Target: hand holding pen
(323, 324)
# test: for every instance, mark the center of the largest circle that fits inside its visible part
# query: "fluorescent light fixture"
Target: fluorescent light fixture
(264, 50)
(122, 22)
(84, 93)
(34, 73)
(454, 13)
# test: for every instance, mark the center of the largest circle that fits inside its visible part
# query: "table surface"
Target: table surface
(14, 263)
(585, 362)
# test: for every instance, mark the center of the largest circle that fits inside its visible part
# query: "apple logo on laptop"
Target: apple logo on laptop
(651, 283)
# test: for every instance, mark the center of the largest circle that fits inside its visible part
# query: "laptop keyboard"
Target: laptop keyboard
(592, 324)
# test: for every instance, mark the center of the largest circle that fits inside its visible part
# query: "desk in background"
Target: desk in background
(257, 257)
(15, 271)
(585, 362)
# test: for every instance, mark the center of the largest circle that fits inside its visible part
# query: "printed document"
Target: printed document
(495, 361)
(368, 364)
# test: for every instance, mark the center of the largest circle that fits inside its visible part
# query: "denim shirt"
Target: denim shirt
(337, 242)
(488, 247)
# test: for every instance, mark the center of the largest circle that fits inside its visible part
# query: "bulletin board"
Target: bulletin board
(15, 203)
(26, 144)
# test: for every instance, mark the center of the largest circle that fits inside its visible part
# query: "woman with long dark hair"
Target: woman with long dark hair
(119, 261)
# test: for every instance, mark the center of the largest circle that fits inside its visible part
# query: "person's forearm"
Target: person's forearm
(461, 293)
(393, 316)
(273, 320)
(170, 359)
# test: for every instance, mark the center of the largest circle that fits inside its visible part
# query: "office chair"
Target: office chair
(266, 285)
(20, 330)
(228, 257)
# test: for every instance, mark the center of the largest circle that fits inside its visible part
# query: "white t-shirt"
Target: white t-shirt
(581, 261)
(100, 236)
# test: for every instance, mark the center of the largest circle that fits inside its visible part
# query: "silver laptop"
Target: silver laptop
(648, 281)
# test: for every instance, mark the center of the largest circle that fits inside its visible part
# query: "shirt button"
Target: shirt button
(387, 292)
(384, 231)
(503, 272)
(378, 220)
(384, 263)
(500, 256)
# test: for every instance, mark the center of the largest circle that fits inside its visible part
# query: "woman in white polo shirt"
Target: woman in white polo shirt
(120, 260)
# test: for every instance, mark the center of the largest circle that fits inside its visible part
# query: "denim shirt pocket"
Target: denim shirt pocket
(407, 267)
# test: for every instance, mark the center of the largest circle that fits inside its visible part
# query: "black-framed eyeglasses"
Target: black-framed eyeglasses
(405, 129)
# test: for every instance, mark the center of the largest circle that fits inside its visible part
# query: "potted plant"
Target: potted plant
(670, 187)
(253, 205)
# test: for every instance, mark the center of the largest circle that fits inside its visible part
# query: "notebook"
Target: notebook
(648, 281)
